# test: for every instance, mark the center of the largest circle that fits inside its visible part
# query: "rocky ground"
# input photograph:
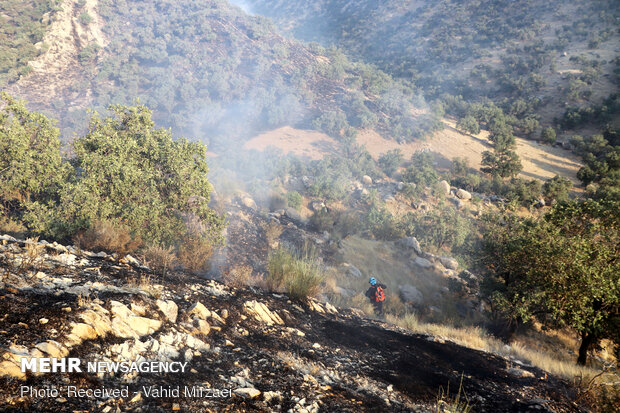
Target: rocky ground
(272, 353)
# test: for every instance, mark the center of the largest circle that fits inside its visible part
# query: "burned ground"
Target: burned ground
(318, 358)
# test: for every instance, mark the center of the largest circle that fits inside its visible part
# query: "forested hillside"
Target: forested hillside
(210, 70)
(535, 59)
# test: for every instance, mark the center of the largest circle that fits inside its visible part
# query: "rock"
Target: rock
(457, 202)
(449, 263)
(248, 202)
(247, 392)
(351, 270)
(43, 320)
(411, 243)
(203, 327)
(199, 310)
(294, 216)
(445, 187)
(411, 295)
(366, 180)
(169, 308)
(400, 186)
(269, 395)
(463, 194)
(128, 259)
(306, 181)
(262, 313)
(540, 203)
(81, 332)
(53, 348)
(422, 262)
(317, 205)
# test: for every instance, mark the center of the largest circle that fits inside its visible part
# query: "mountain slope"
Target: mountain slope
(283, 354)
(213, 72)
(551, 54)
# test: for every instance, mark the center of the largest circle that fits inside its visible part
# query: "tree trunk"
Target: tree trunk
(586, 340)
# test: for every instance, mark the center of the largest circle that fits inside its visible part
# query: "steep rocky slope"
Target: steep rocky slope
(274, 354)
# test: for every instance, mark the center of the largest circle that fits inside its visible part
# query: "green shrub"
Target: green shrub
(297, 274)
(128, 171)
(31, 169)
(322, 221)
(548, 135)
(294, 199)
(422, 170)
(557, 188)
(390, 161)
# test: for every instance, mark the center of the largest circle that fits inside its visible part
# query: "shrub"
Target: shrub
(238, 276)
(322, 221)
(422, 170)
(297, 274)
(194, 253)
(277, 201)
(31, 169)
(108, 236)
(294, 199)
(548, 135)
(557, 188)
(390, 161)
(128, 171)
(159, 258)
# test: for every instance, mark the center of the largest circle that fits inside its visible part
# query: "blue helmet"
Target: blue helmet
(372, 281)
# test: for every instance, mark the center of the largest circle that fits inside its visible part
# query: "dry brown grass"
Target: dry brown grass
(273, 231)
(239, 276)
(159, 258)
(194, 254)
(108, 236)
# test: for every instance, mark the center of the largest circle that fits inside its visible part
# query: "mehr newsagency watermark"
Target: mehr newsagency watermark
(39, 365)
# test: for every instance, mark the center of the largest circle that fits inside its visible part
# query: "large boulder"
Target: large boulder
(248, 202)
(463, 194)
(411, 295)
(352, 270)
(445, 187)
(449, 262)
(366, 180)
(422, 262)
(411, 243)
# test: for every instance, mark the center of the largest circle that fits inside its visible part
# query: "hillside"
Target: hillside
(209, 71)
(552, 55)
(271, 352)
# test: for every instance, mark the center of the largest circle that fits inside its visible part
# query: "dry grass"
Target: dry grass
(273, 231)
(239, 276)
(159, 258)
(477, 338)
(11, 227)
(108, 236)
(194, 254)
(296, 273)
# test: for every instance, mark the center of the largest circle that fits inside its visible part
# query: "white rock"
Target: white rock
(366, 180)
(247, 392)
(53, 348)
(422, 262)
(449, 263)
(169, 308)
(463, 194)
(445, 187)
(199, 310)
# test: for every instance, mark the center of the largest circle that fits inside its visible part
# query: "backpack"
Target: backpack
(379, 294)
